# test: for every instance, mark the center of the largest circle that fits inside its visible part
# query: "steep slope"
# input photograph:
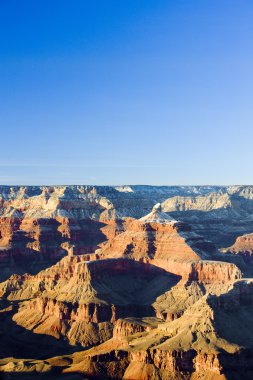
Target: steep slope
(126, 287)
(242, 246)
(203, 344)
(39, 225)
(242, 249)
(38, 229)
(219, 216)
(164, 242)
(81, 300)
(157, 236)
(143, 292)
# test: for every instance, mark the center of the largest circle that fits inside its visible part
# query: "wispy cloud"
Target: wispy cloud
(69, 165)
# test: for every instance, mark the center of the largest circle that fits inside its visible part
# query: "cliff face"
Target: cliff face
(152, 240)
(219, 214)
(105, 281)
(172, 245)
(199, 344)
(82, 300)
(242, 246)
(38, 226)
(241, 250)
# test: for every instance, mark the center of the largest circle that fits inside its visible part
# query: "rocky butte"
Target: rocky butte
(126, 282)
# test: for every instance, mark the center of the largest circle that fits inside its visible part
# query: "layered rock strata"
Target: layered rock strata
(125, 292)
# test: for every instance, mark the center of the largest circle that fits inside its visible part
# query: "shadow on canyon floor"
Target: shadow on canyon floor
(42, 376)
(18, 342)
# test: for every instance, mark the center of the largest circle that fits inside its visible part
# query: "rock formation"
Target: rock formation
(242, 246)
(126, 282)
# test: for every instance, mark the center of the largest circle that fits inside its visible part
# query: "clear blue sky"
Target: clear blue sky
(126, 92)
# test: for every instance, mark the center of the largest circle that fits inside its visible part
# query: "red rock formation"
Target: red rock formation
(142, 240)
(147, 298)
(242, 246)
(168, 244)
(8, 227)
(200, 344)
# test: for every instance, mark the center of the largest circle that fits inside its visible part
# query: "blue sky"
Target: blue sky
(126, 92)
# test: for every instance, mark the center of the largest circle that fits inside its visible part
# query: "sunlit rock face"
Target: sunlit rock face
(129, 282)
(243, 246)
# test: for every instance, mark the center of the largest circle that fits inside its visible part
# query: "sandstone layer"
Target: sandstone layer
(126, 282)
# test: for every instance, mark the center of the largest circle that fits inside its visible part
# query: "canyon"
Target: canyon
(126, 282)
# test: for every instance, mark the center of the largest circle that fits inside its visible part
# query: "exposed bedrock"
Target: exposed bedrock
(128, 281)
(152, 364)
(199, 345)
